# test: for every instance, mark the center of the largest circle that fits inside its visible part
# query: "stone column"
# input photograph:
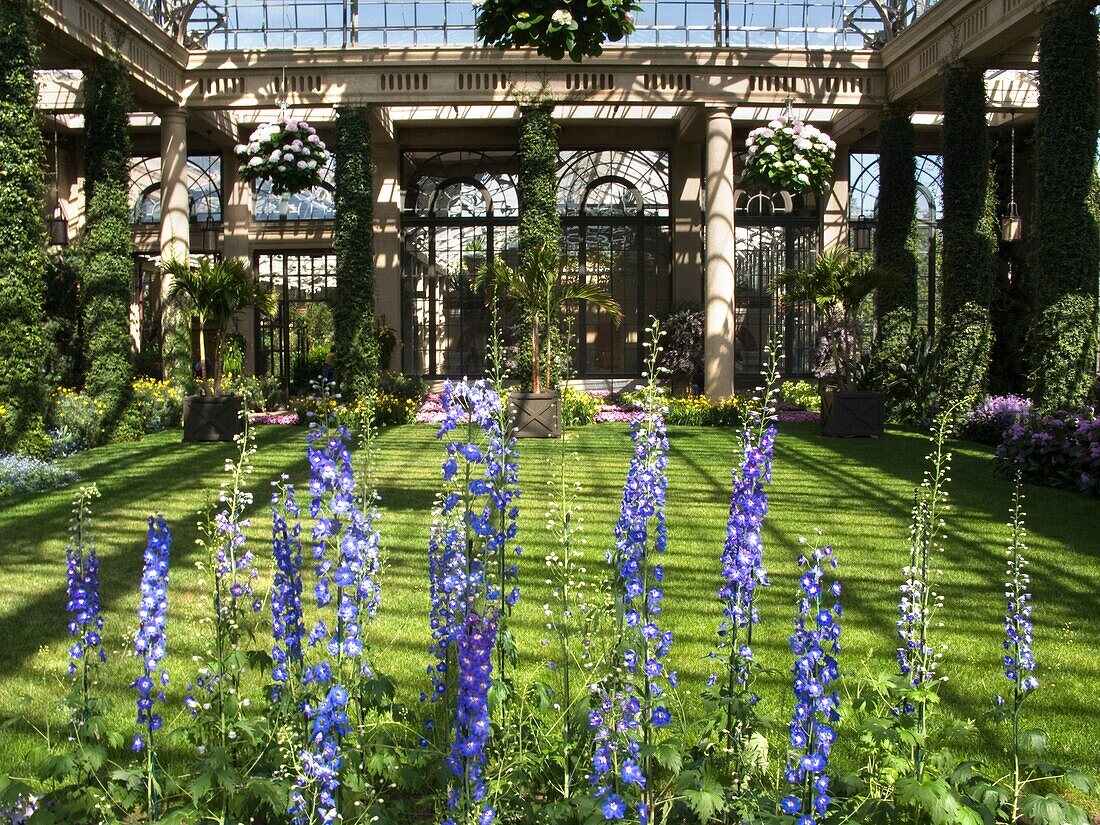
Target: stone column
(175, 218)
(718, 283)
(834, 230)
(236, 223)
(687, 216)
(387, 237)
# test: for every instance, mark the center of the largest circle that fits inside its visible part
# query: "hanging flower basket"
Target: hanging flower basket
(578, 28)
(288, 153)
(789, 154)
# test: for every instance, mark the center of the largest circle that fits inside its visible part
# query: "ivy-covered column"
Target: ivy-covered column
(353, 243)
(539, 223)
(107, 246)
(22, 234)
(896, 302)
(969, 242)
(1067, 249)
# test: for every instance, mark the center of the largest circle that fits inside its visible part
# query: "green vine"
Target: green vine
(1067, 250)
(539, 224)
(969, 242)
(353, 243)
(107, 246)
(896, 301)
(22, 234)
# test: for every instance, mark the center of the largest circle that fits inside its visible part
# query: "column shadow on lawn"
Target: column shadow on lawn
(161, 471)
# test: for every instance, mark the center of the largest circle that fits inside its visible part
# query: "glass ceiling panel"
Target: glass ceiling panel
(278, 24)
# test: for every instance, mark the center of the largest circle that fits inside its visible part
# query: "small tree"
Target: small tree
(838, 283)
(538, 290)
(213, 292)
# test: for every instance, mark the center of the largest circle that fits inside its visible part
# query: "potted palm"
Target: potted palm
(210, 294)
(838, 284)
(541, 295)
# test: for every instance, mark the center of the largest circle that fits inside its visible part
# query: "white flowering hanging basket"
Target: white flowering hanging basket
(287, 152)
(790, 155)
(577, 28)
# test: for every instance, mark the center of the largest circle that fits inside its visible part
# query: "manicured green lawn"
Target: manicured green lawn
(856, 492)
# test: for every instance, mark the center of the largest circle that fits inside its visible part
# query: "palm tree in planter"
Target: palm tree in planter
(209, 295)
(541, 295)
(838, 284)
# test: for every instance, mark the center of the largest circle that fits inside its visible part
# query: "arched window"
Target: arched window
(615, 217)
(460, 210)
(314, 204)
(204, 188)
(865, 182)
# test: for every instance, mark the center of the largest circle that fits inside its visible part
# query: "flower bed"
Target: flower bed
(1058, 450)
(987, 423)
(25, 474)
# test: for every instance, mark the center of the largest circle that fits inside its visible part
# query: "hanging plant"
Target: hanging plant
(287, 152)
(578, 28)
(789, 154)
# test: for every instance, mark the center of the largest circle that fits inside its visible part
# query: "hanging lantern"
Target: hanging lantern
(1012, 225)
(209, 235)
(58, 228)
(862, 234)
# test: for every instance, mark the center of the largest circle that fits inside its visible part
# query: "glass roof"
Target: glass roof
(277, 24)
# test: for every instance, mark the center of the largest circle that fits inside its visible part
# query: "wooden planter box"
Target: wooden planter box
(852, 414)
(212, 417)
(535, 414)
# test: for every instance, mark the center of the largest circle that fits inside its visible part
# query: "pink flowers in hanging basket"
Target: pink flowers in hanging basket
(789, 154)
(287, 152)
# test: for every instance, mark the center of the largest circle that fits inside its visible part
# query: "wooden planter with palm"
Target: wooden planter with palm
(210, 294)
(539, 291)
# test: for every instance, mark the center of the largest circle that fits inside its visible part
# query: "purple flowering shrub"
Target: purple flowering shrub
(987, 422)
(1058, 450)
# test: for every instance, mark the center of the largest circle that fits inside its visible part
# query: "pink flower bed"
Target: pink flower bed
(274, 418)
(618, 413)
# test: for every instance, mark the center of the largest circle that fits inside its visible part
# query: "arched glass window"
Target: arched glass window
(615, 217)
(864, 175)
(204, 188)
(865, 181)
(314, 204)
(460, 210)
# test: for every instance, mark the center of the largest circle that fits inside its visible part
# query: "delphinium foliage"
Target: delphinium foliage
(473, 571)
(215, 698)
(576, 615)
(1028, 745)
(742, 569)
(151, 647)
(918, 652)
(86, 651)
(816, 646)
(22, 233)
(629, 707)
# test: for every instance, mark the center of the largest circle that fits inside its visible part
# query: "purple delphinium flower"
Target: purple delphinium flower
(447, 594)
(1019, 661)
(82, 589)
(287, 626)
(743, 554)
(474, 648)
(345, 545)
(629, 709)
(313, 799)
(815, 644)
(151, 643)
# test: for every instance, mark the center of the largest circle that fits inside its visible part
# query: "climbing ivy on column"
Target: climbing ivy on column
(353, 243)
(969, 241)
(539, 223)
(1067, 251)
(107, 245)
(22, 234)
(896, 302)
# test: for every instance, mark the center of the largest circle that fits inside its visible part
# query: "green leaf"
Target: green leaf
(1050, 809)
(668, 756)
(706, 798)
(1033, 741)
(1083, 782)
